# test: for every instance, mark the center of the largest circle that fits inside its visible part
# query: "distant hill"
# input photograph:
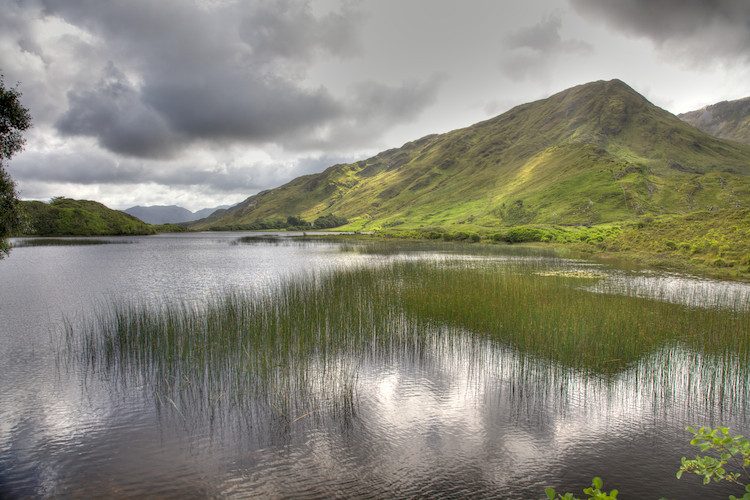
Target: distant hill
(66, 217)
(171, 214)
(726, 119)
(595, 153)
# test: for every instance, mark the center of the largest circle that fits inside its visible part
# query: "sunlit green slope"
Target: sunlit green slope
(595, 153)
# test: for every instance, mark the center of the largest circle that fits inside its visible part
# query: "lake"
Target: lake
(419, 403)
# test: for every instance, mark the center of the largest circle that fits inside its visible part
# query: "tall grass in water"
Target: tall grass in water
(278, 346)
(301, 345)
(555, 317)
(48, 242)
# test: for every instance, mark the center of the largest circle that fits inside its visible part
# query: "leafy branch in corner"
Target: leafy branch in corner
(729, 450)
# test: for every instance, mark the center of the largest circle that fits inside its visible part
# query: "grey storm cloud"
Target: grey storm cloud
(701, 31)
(115, 114)
(179, 74)
(286, 29)
(531, 49)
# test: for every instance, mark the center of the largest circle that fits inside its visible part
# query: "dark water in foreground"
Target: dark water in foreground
(453, 416)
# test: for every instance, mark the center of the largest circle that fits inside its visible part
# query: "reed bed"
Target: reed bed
(555, 317)
(300, 347)
(63, 242)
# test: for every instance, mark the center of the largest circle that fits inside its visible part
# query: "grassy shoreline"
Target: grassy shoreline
(710, 243)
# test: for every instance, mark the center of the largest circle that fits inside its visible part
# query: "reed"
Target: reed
(300, 347)
(559, 318)
(61, 242)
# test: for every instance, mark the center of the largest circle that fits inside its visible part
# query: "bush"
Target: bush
(328, 221)
(521, 234)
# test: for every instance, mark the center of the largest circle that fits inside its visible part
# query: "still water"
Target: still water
(455, 415)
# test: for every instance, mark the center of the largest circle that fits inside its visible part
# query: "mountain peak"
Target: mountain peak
(597, 152)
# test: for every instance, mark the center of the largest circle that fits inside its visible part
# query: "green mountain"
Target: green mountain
(66, 217)
(595, 153)
(726, 119)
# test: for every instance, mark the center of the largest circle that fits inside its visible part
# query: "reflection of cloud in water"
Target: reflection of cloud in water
(475, 418)
(679, 289)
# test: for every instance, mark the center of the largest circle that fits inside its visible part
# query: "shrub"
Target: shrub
(520, 234)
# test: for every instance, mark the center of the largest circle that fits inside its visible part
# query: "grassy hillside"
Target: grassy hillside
(66, 217)
(726, 119)
(592, 154)
(717, 241)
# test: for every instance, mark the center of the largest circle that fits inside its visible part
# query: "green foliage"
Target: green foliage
(292, 223)
(13, 220)
(329, 221)
(66, 217)
(593, 493)
(717, 241)
(524, 233)
(14, 120)
(727, 451)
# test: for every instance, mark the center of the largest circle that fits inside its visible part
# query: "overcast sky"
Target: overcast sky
(200, 103)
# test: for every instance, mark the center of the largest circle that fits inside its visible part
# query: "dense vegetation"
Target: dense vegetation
(594, 154)
(718, 242)
(292, 223)
(66, 217)
(711, 242)
(15, 119)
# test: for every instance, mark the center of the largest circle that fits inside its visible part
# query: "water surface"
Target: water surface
(436, 412)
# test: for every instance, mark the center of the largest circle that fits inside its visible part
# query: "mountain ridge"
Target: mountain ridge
(725, 119)
(169, 214)
(595, 153)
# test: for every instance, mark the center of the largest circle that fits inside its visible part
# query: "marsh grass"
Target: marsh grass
(557, 318)
(281, 347)
(299, 348)
(47, 242)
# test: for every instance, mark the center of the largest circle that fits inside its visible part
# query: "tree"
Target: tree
(14, 120)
